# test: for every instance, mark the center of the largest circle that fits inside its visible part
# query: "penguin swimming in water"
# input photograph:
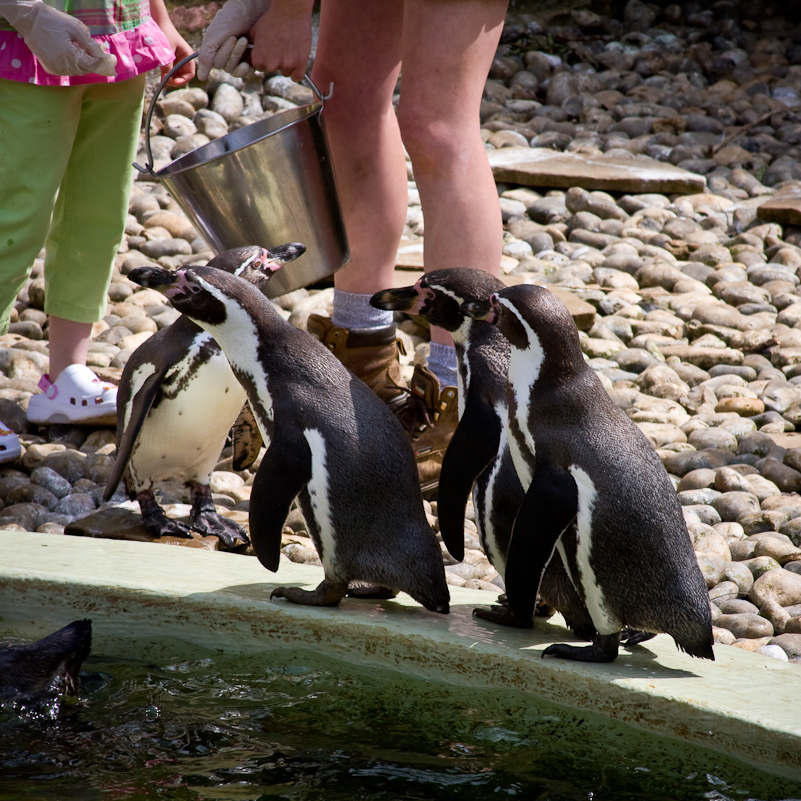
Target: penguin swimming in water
(331, 443)
(177, 402)
(48, 668)
(595, 490)
(478, 456)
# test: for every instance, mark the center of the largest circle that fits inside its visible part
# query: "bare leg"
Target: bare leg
(359, 51)
(442, 86)
(69, 344)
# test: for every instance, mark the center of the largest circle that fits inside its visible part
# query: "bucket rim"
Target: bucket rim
(299, 114)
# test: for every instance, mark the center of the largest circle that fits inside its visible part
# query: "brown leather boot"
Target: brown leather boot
(436, 414)
(369, 353)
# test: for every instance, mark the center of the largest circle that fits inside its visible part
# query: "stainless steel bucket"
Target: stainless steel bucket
(266, 184)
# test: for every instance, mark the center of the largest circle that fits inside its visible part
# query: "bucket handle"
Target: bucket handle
(148, 168)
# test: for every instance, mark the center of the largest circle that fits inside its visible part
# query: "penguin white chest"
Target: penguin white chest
(586, 582)
(496, 555)
(182, 438)
(319, 488)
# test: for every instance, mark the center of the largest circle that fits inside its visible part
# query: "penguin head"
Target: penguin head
(191, 290)
(256, 264)
(526, 312)
(496, 313)
(439, 295)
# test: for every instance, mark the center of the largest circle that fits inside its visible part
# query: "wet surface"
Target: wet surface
(298, 728)
(171, 604)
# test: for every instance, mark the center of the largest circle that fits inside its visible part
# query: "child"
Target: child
(71, 91)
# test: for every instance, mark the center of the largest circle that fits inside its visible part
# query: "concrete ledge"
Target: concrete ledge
(159, 602)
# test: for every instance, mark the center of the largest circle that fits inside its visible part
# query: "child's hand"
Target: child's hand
(182, 49)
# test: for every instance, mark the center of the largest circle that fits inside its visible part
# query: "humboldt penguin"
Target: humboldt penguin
(478, 456)
(177, 402)
(45, 669)
(595, 490)
(331, 443)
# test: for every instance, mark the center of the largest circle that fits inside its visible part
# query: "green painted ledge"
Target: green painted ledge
(156, 602)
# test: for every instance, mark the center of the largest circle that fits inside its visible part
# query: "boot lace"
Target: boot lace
(415, 416)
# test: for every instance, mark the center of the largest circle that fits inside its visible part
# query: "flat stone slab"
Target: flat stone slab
(160, 604)
(783, 210)
(583, 313)
(541, 166)
(119, 523)
(791, 439)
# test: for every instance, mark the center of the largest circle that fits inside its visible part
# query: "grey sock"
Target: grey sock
(442, 362)
(353, 310)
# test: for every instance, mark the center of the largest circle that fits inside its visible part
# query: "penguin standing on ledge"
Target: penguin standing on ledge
(595, 490)
(478, 456)
(177, 402)
(331, 443)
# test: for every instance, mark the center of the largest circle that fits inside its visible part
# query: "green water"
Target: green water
(299, 730)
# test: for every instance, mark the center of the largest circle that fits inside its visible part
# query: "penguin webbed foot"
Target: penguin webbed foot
(327, 593)
(155, 521)
(629, 637)
(207, 520)
(229, 532)
(502, 614)
(604, 648)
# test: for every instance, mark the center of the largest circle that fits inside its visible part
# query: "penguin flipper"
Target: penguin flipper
(284, 472)
(140, 406)
(473, 446)
(246, 439)
(549, 507)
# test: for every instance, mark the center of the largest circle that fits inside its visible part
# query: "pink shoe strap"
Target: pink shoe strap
(49, 389)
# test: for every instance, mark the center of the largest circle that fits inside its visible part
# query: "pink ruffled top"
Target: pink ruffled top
(130, 34)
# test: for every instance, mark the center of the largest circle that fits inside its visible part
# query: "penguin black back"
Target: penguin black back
(332, 443)
(595, 489)
(164, 428)
(478, 457)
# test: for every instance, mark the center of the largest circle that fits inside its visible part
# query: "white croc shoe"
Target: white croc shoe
(77, 396)
(10, 448)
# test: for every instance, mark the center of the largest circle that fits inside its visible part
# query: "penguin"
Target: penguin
(478, 456)
(177, 402)
(330, 442)
(595, 490)
(48, 668)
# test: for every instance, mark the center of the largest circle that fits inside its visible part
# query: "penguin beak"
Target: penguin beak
(153, 278)
(283, 254)
(488, 310)
(171, 284)
(395, 299)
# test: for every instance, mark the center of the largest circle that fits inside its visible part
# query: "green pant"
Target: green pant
(65, 178)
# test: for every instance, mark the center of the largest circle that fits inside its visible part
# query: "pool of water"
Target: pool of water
(298, 729)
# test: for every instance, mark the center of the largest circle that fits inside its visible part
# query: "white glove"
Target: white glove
(61, 43)
(224, 41)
